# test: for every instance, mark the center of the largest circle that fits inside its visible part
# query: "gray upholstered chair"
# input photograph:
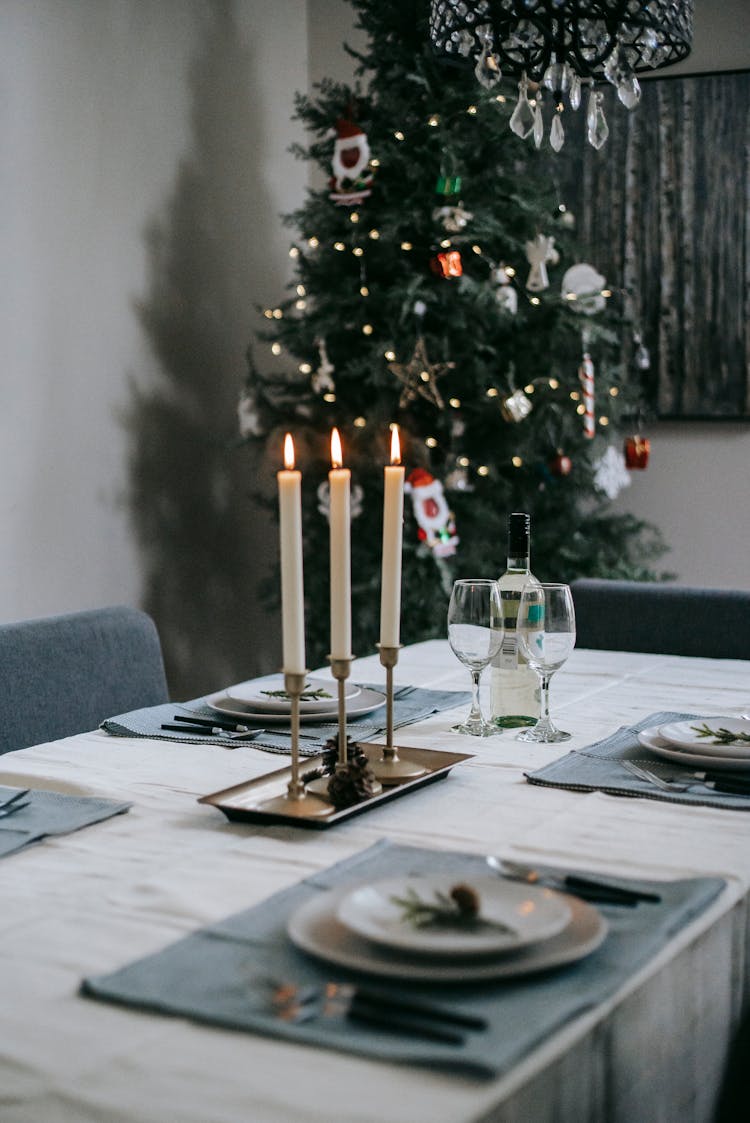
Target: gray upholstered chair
(65, 674)
(666, 619)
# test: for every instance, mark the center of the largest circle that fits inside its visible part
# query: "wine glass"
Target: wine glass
(475, 633)
(546, 633)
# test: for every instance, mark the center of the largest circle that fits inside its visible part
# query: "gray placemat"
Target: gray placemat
(219, 974)
(410, 704)
(51, 813)
(597, 768)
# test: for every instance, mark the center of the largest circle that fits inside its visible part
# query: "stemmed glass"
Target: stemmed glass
(475, 633)
(546, 631)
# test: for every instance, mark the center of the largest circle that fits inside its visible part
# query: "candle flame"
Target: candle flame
(288, 452)
(395, 446)
(337, 458)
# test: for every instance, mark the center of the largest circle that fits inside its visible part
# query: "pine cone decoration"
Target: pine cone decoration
(331, 754)
(354, 783)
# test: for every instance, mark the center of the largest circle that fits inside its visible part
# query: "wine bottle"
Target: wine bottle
(515, 697)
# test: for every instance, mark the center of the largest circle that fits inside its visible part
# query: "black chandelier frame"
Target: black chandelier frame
(650, 34)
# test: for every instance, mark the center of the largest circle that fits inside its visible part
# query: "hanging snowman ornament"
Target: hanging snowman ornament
(437, 528)
(351, 181)
(505, 293)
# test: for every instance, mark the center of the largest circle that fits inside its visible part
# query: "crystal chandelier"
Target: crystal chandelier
(561, 46)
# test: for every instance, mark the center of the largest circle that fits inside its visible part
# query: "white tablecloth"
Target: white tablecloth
(90, 902)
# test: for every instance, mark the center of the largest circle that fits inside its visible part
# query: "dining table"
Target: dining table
(84, 904)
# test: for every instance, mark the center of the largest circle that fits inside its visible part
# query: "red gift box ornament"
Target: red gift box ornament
(637, 451)
(447, 264)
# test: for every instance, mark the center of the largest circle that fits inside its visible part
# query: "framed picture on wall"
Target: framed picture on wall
(663, 211)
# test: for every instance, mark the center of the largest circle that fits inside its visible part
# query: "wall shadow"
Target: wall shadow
(204, 544)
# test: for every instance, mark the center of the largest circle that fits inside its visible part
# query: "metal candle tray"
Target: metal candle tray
(244, 802)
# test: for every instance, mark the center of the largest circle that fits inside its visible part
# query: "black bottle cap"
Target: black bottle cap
(519, 530)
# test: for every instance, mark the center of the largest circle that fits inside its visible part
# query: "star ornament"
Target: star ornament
(419, 377)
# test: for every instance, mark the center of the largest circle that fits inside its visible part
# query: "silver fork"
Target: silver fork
(652, 778)
(6, 812)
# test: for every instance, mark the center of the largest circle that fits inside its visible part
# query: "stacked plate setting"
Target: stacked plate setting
(683, 743)
(265, 701)
(521, 929)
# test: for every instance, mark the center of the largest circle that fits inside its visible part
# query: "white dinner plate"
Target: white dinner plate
(254, 695)
(651, 740)
(316, 929)
(682, 735)
(514, 915)
(364, 703)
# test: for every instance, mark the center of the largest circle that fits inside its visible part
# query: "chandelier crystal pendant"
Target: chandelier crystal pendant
(559, 45)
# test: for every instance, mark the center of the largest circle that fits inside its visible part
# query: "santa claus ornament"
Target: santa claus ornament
(352, 179)
(437, 527)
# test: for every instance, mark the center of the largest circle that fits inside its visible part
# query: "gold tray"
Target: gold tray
(243, 802)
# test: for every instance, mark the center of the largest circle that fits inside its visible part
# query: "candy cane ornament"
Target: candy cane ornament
(586, 376)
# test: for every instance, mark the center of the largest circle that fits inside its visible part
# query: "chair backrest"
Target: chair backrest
(65, 674)
(659, 618)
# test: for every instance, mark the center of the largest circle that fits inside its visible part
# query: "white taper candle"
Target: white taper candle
(292, 587)
(393, 515)
(339, 484)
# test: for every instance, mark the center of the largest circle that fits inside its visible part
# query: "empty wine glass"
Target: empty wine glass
(546, 633)
(475, 633)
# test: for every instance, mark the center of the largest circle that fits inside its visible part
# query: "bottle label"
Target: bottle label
(508, 656)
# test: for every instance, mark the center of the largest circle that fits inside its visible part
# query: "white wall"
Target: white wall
(93, 118)
(143, 166)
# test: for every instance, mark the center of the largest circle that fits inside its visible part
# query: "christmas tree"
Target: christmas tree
(429, 294)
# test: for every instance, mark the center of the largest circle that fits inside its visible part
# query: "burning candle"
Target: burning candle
(339, 483)
(393, 515)
(292, 590)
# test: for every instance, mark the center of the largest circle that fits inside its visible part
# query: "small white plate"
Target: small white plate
(316, 929)
(529, 914)
(682, 735)
(254, 695)
(651, 740)
(364, 703)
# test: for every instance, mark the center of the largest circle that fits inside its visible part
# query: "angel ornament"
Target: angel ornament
(539, 252)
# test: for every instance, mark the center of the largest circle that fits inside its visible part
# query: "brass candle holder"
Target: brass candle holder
(340, 669)
(297, 801)
(391, 768)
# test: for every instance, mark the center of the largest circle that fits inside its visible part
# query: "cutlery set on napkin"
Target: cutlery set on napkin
(670, 756)
(713, 752)
(14, 803)
(297, 1003)
(257, 712)
(362, 959)
(28, 815)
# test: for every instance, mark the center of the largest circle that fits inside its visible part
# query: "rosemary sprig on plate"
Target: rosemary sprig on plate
(310, 694)
(459, 908)
(722, 736)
